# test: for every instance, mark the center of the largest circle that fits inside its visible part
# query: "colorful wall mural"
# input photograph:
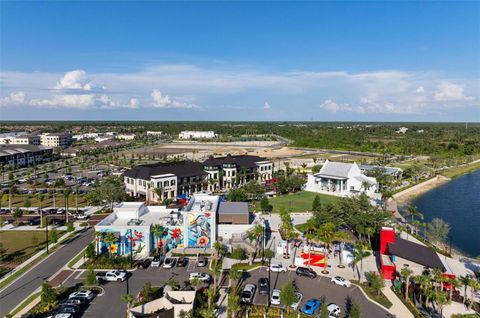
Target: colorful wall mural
(167, 238)
(127, 241)
(199, 229)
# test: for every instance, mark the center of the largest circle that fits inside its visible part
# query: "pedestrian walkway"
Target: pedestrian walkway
(398, 308)
(222, 303)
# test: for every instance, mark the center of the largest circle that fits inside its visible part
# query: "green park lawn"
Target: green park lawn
(297, 202)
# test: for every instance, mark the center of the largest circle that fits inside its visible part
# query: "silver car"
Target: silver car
(248, 293)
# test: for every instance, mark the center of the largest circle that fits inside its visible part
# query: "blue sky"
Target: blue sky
(394, 61)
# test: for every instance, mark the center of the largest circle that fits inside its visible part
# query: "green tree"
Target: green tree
(109, 192)
(70, 227)
(48, 296)
(406, 273)
(157, 231)
(173, 284)
(376, 281)
(317, 204)
(237, 195)
(323, 312)
(17, 213)
(287, 294)
(326, 233)
(90, 251)
(27, 203)
(53, 235)
(147, 293)
(359, 254)
(90, 278)
(414, 213)
(129, 300)
(355, 311)
(437, 231)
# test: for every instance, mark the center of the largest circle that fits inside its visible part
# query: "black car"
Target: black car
(68, 309)
(263, 286)
(182, 262)
(143, 263)
(202, 261)
(304, 271)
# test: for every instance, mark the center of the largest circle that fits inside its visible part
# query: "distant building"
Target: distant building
(24, 155)
(154, 133)
(395, 173)
(57, 140)
(125, 136)
(19, 138)
(402, 130)
(187, 177)
(197, 134)
(341, 179)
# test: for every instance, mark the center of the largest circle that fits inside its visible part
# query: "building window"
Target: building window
(165, 184)
(172, 182)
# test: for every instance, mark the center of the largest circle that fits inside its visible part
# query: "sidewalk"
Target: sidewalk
(398, 308)
(222, 303)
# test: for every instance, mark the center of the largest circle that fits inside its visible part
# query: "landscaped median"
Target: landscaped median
(373, 294)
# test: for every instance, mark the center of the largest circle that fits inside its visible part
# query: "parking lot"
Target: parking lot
(158, 276)
(102, 306)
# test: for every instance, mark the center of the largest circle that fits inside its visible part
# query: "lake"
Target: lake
(458, 203)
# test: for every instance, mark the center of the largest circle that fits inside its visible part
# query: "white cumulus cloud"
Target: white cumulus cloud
(134, 103)
(76, 79)
(267, 106)
(420, 89)
(14, 98)
(164, 101)
(334, 107)
(447, 92)
(78, 101)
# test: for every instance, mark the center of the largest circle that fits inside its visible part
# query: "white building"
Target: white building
(341, 179)
(125, 136)
(19, 138)
(169, 306)
(57, 140)
(402, 130)
(154, 133)
(196, 134)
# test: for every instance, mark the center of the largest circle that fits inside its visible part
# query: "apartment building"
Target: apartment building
(196, 134)
(188, 177)
(27, 140)
(24, 155)
(56, 140)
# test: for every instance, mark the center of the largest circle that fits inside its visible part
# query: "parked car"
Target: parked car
(87, 294)
(275, 299)
(73, 310)
(143, 263)
(73, 302)
(204, 277)
(182, 262)
(333, 310)
(263, 286)
(60, 211)
(248, 293)
(305, 271)
(311, 306)
(81, 216)
(339, 280)
(297, 302)
(169, 262)
(202, 261)
(157, 261)
(277, 268)
(111, 276)
(62, 315)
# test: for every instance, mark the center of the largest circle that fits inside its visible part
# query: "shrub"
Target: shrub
(238, 253)
(90, 278)
(70, 227)
(53, 236)
(90, 251)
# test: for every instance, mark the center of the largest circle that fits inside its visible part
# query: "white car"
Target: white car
(169, 262)
(299, 298)
(248, 293)
(339, 280)
(204, 277)
(112, 276)
(333, 310)
(277, 268)
(63, 315)
(87, 294)
(275, 299)
(156, 261)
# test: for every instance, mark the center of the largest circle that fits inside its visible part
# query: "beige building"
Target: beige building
(27, 140)
(57, 140)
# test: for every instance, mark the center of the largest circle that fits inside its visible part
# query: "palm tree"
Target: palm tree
(441, 300)
(157, 231)
(99, 237)
(343, 237)
(474, 286)
(216, 270)
(158, 192)
(386, 195)
(365, 186)
(40, 199)
(234, 276)
(66, 194)
(219, 248)
(406, 273)
(77, 188)
(454, 283)
(129, 299)
(437, 277)
(196, 283)
(11, 194)
(464, 280)
(413, 213)
(326, 234)
(359, 254)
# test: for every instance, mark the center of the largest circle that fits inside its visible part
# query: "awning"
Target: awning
(416, 253)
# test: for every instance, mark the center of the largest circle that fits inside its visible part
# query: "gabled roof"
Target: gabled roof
(335, 169)
(179, 168)
(245, 161)
(416, 253)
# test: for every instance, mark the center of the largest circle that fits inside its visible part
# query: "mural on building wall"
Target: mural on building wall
(199, 229)
(166, 238)
(121, 242)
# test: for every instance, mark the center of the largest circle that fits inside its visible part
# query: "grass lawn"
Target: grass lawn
(17, 246)
(19, 201)
(245, 266)
(461, 170)
(297, 202)
(372, 294)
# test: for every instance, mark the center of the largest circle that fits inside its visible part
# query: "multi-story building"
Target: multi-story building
(27, 140)
(125, 136)
(196, 134)
(56, 140)
(154, 133)
(160, 181)
(24, 155)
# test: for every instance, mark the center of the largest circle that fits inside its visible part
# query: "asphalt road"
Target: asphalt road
(29, 282)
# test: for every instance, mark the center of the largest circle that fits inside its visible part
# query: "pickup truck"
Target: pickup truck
(111, 276)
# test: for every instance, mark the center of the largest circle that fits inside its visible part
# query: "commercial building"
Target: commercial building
(19, 138)
(154, 133)
(196, 134)
(188, 177)
(125, 136)
(57, 140)
(341, 179)
(24, 155)
(142, 230)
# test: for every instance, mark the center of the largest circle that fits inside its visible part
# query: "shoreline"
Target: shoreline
(404, 197)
